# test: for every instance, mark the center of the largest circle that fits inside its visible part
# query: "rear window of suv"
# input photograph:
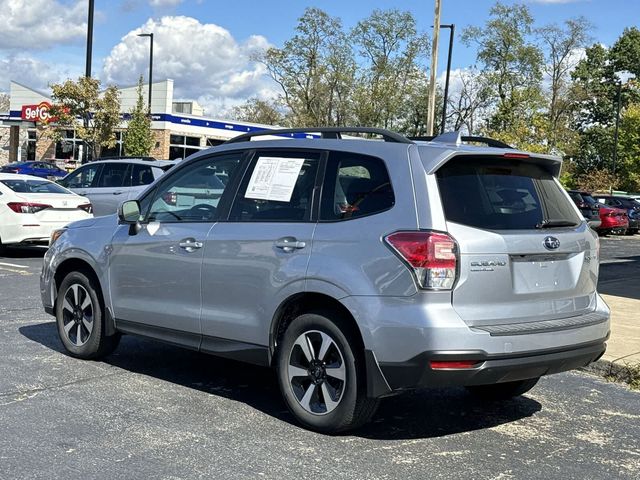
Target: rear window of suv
(501, 194)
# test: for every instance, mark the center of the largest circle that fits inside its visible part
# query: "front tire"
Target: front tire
(80, 318)
(321, 374)
(503, 391)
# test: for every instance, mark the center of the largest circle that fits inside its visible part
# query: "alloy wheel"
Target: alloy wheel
(317, 373)
(77, 314)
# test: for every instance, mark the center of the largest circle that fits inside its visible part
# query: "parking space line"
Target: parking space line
(13, 270)
(13, 265)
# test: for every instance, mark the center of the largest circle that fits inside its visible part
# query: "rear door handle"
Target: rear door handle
(190, 245)
(289, 244)
(118, 193)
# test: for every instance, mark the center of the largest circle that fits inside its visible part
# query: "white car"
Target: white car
(31, 208)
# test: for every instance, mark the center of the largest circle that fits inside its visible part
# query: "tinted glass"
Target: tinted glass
(277, 188)
(194, 193)
(194, 141)
(33, 186)
(498, 194)
(83, 177)
(114, 175)
(142, 175)
(355, 186)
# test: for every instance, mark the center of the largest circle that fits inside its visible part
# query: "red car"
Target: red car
(613, 220)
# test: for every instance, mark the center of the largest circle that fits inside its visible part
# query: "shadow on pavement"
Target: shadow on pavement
(621, 279)
(420, 414)
(23, 252)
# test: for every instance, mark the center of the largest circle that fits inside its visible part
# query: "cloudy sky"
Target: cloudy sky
(205, 45)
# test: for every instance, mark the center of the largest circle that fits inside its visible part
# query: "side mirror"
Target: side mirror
(129, 212)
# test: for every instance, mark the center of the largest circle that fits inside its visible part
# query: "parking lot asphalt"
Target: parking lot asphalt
(152, 410)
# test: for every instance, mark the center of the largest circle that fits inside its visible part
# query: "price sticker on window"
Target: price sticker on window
(274, 178)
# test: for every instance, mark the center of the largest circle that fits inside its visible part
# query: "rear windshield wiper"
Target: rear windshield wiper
(555, 223)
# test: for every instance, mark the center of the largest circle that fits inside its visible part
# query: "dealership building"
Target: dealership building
(179, 127)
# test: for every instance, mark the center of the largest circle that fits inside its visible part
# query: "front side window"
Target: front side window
(499, 194)
(194, 193)
(84, 177)
(355, 186)
(278, 187)
(142, 175)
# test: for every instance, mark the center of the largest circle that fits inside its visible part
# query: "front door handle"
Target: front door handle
(289, 244)
(118, 193)
(190, 245)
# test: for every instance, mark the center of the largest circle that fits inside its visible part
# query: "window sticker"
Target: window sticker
(274, 178)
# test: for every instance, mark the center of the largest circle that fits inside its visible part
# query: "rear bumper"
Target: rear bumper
(489, 369)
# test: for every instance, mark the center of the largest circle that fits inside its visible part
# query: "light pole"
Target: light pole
(452, 28)
(431, 105)
(87, 72)
(150, 35)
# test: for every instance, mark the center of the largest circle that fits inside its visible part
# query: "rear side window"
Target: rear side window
(278, 187)
(114, 175)
(142, 175)
(499, 194)
(355, 186)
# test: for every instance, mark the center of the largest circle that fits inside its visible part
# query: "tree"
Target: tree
(81, 106)
(390, 89)
(625, 53)
(259, 111)
(629, 149)
(138, 138)
(467, 105)
(314, 70)
(561, 45)
(512, 62)
(4, 102)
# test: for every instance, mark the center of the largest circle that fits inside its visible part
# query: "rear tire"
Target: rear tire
(80, 318)
(321, 374)
(503, 391)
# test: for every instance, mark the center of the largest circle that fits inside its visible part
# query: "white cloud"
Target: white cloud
(41, 24)
(204, 60)
(164, 3)
(31, 72)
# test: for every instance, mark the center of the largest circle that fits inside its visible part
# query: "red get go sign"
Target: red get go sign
(37, 113)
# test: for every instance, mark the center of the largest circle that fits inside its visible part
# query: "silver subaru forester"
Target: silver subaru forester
(357, 268)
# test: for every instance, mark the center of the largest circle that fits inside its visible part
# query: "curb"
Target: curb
(616, 372)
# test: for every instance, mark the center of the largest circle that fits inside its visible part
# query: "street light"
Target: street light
(452, 29)
(150, 35)
(622, 77)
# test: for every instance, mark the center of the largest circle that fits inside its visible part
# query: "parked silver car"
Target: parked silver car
(358, 269)
(107, 183)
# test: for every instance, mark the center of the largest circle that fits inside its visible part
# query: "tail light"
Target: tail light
(27, 207)
(431, 256)
(170, 198)
(87, 207)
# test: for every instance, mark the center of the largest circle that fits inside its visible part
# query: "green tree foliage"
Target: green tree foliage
(314, 70)
(629, 149)
(259, 111)
(138, 138)
(625, 52)
(81, 106)
(512, 62)
(391, 86)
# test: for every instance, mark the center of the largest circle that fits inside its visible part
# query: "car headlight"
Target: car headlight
(56, 234)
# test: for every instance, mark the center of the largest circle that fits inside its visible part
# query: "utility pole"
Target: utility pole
(87, 72)
(150, 35)
(431, 105)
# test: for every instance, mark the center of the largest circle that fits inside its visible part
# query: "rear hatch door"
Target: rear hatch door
(525, 252)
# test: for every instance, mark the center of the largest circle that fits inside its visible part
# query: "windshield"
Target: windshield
(501, 194)
(33, 186)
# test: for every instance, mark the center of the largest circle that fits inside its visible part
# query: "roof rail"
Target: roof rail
(325, 132)
(456, 138)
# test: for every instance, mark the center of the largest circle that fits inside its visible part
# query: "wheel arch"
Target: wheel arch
(79, 265)
(306, 302)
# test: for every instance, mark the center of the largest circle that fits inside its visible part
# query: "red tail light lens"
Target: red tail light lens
(26, 207)
(437, 365)
(431, 255)
(87, 207)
